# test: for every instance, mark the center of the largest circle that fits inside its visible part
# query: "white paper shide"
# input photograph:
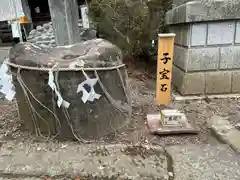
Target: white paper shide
(6, 86)
(91, 95)
(60, 101)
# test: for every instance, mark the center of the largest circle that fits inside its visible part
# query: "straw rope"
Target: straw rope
(27, 93)
(55, 68)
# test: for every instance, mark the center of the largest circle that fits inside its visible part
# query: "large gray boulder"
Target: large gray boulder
(91, 120)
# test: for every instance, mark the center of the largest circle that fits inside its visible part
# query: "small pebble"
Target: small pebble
(44, 36)
(38, 38)
(45, 46)
(33, 32)
(39, 28)
(46, 26)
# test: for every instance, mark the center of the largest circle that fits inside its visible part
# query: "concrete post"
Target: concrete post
(65, 15)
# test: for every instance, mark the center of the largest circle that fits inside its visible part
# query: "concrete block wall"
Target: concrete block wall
(207, 55)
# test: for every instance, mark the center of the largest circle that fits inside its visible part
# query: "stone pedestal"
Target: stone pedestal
(207, 48)
(65, 16)
(90, 120)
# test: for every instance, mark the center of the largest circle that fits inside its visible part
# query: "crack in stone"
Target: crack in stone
(170, 167)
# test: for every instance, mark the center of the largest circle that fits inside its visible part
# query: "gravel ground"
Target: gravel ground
(143, 95)
(183, 151)
(204, 162)
(198, 111)
(95, 162)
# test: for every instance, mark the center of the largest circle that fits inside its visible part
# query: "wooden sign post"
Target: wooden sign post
(164, 68)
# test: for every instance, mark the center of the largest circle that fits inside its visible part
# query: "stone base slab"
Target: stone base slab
(204, 162)
(188, 84)
(226, 132)
(197, 59)
(178, 97)
(196, 11)
(92, 161)
(206, 82)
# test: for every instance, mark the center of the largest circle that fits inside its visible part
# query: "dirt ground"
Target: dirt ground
(143, 100)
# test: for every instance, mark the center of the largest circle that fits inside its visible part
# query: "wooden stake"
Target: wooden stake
(164, 68)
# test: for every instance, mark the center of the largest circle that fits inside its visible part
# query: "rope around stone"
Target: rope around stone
(63, 69)
(27, 92)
